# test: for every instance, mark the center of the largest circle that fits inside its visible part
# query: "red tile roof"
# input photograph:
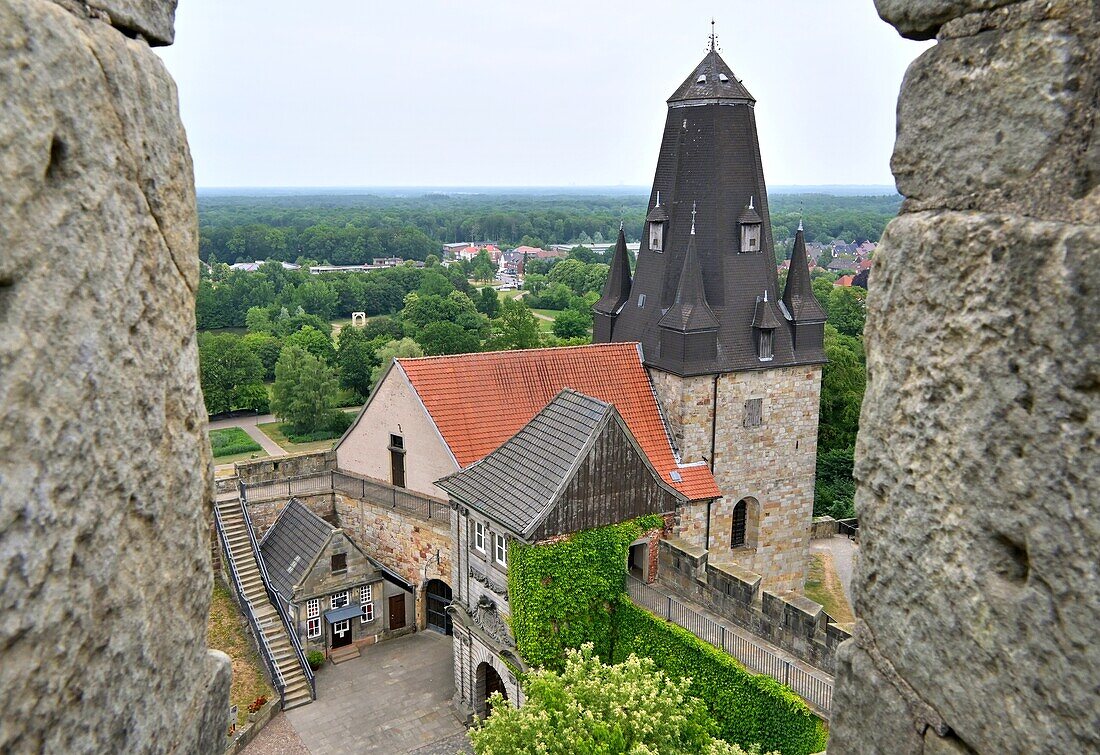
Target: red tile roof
(478, 401)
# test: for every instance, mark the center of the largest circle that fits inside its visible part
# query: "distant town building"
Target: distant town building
(251, 267)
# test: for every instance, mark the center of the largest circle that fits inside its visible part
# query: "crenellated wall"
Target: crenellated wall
(977, 461)
(787, 619)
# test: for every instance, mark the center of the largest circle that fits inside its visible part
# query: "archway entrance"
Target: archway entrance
(438, 594)
(488, 682)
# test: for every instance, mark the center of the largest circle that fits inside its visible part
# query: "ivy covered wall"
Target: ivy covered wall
(572, 591)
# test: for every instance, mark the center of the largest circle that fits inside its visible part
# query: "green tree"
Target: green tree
(515, 328)
(847, 309)
(572, 273)
(258, 320)
(570, 324)
(305, 390)
(591, 707)
(355, 360)
(447, 338)
(488, 302)
(227, 370)
(406, 347)
(432, 260)
(315, 342)
(843, 380)
(267, 348)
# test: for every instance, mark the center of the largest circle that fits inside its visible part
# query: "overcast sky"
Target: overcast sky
(506, 93)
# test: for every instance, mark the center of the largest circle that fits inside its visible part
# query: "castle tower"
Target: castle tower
(737, 367)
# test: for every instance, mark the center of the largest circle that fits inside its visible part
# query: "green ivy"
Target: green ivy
(572, 591)
(564, 594)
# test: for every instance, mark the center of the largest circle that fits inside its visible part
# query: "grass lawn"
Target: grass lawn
(273, 431)
(231, 441)
(510, 294)
(226, 631)
(823, 586)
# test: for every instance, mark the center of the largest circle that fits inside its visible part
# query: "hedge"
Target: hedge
(749, 708)
(230, 441)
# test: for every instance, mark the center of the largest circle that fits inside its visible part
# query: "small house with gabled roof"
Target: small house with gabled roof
(574, 466)
(337, 596)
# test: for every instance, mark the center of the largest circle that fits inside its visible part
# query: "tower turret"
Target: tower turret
(616, 293)
(806, 314)
(689, 329)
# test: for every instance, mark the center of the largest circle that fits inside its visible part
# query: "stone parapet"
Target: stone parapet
(787, 619)
(284, 467)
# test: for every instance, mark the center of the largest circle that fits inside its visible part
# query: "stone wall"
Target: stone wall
(402, 542)
(787, 619)
(284, 467)
(976, 461)
(105, 471)
(771, 465)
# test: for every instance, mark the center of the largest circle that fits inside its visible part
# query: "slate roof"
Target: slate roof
(518, 483)
(291, 545)
(478, 401)
(690, 312)
(766, 317)
(616, 290)
(657, 215)
(710, 158)
(713, 80)
(798, 295)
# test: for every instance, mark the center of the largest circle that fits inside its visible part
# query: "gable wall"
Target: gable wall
(395, 408)
(594, 498)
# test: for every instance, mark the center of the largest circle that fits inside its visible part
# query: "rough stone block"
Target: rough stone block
(995, 121)
(921, 19)
(977, 472)
(105, 470)
(153, 19)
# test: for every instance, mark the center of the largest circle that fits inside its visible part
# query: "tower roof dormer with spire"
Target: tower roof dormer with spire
(709, 162)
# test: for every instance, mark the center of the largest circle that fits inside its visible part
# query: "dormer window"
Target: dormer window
(764, 345)
(656, 236)
(751, 229)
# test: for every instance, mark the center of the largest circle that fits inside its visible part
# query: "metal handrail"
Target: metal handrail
(273, 596)
(249, 610)
(813, 689)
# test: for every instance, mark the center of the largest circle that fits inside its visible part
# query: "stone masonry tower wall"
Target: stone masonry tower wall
(105, 474)
(771, 464)
(978, 587)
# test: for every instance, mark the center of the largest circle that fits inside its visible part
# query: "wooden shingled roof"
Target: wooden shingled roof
(479, 401)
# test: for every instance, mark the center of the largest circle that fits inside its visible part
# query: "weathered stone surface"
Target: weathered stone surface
(977, 466)
(870, 713)
(921, 19)
(152, 19)
(104, 467)
(996, 122)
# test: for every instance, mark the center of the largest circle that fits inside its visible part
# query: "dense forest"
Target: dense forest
(353, 229)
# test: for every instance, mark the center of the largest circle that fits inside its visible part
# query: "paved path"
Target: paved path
(844, 552)
(395, 698)
(249, 425)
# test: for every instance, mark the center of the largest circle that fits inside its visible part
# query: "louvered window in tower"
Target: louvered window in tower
(740, 520)
(765, 344)
(656, 236)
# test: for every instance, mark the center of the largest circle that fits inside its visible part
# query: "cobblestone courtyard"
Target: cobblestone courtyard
(395, 698)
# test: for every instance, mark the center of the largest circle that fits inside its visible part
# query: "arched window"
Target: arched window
(740, 517)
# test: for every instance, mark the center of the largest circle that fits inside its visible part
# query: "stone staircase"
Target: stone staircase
(276, 644)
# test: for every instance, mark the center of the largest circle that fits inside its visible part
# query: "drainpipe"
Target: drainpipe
(713, 449)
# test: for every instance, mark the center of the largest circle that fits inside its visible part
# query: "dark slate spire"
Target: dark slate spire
(798, 295)
(693, 296)
(616, 290)
(690, 311)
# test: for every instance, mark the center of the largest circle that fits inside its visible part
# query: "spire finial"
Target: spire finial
(658, 198)
(712, 36)
(693, 218)
(800, 208)
(751, 198)
(620, 225)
